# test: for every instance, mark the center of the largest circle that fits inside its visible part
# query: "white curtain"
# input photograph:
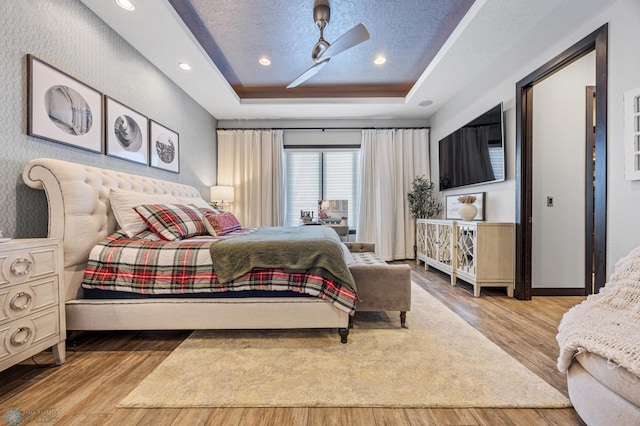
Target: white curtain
(390, 160)
(252, 162)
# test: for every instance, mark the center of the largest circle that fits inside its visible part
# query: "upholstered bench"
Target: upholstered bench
(381, 286)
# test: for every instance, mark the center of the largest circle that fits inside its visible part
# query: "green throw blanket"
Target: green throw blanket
(316, 249)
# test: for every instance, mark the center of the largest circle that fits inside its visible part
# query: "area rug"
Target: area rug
(438, 361)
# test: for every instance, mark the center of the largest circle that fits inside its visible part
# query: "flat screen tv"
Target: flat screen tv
(474, 153)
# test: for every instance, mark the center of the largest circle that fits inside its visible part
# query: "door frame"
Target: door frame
(590, 139)
(597, 41)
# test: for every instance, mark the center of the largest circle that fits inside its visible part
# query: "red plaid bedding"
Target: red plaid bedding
(144, 265)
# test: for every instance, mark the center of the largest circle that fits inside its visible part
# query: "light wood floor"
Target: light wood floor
(102, 368)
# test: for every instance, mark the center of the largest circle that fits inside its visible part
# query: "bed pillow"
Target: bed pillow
(123, 204)
(219, 224)
(209, 211)
(172, 221)
(198, 202)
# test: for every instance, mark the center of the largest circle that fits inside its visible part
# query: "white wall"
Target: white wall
(499, 196)
(498, 84)
(322, 131)
(623, 227)
(326, 137)
(320, 123)
(559, 152)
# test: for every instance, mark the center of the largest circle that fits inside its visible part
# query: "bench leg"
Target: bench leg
(344, 332)
(403, 319)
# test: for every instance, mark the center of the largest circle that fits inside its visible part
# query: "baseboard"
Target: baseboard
(557, 292)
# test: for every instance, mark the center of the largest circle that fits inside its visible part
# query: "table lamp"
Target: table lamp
(221, 194)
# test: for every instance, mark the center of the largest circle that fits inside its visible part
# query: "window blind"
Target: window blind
(313, 175)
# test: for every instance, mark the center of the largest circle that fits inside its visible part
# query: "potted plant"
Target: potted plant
(422, 203)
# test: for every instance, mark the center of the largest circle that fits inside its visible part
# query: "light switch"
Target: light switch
(549, 201)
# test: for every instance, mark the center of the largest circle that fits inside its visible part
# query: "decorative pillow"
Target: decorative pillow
(207, 222)
(209, 210)
(123, 204)
(221, 224)
(172, 221)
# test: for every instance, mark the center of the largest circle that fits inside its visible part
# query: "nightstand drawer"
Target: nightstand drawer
(20, 300)
(20, 335)
(25, 263)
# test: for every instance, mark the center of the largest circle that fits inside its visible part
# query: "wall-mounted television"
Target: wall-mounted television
(474, 153)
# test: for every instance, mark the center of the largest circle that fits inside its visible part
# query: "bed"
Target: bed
(81, 215)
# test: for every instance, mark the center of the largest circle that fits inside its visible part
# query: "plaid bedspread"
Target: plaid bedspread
(145, 265)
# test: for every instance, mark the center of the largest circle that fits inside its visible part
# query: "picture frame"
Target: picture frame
(631, 110)
(61, 108)
(126, 132)
(164, 147)
(452, 204)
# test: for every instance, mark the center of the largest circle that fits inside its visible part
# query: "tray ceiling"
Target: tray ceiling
(235, 34)
(435, 49)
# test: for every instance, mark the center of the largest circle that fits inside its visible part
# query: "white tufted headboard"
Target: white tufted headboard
(79, 210)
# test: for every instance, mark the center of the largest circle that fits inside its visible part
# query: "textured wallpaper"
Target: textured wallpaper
(67, 35)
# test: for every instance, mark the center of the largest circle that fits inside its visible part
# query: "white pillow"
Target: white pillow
(198, 202)
(123, 204)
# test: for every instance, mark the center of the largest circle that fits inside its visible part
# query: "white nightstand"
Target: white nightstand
(31, 300)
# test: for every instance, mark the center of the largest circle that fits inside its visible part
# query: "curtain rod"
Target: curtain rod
(322, 146)
(322, 128)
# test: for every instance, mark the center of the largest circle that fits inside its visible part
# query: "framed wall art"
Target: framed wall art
(632, 134)
(125, 132)
(62, 108)
(164, 147)
(452, 206)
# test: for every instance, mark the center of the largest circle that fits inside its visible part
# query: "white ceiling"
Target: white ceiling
(490, 28)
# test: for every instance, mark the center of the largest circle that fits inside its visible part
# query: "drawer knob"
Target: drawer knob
(15, 301)
(21, 336)
(21, 266)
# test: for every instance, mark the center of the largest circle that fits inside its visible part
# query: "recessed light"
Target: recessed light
(184, 66)
(426, 103)
(380, 60)
(264, 61)
(125, 4)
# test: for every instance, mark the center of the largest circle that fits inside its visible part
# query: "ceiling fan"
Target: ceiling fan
(323, 51)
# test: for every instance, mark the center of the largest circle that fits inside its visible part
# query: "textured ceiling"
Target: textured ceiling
(236, 33)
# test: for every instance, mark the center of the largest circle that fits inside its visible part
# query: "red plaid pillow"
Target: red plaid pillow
(172, 221)
(221, 224)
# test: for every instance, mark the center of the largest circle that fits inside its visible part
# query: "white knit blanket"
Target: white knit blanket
(607, 323)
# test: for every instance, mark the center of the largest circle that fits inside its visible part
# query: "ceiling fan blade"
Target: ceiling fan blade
(308, 73)
(353, 37)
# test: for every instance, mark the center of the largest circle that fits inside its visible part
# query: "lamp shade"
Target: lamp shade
(220, 193)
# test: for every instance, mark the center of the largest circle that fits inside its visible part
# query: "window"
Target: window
(496, 157)
(312, 175)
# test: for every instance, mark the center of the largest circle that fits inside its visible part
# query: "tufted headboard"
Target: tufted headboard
(79, 210)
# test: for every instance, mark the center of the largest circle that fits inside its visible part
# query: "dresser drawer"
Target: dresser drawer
(20, 335)
(20, 300)
(25, 263)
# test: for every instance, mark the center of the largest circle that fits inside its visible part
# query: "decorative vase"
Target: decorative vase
(467, 211)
